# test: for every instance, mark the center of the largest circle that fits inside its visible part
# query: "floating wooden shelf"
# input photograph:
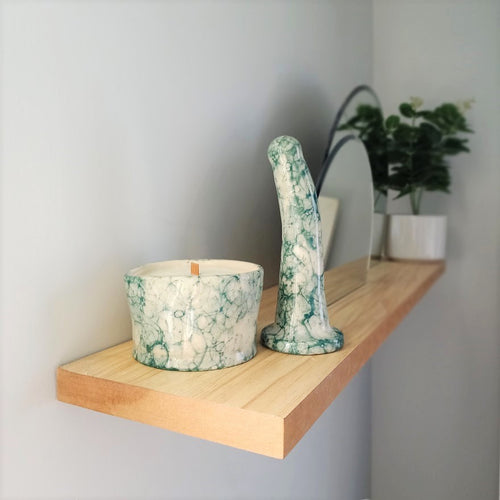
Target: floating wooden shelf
(267, 404)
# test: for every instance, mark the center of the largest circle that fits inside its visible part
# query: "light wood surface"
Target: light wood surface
(267, 404)
(345, 278)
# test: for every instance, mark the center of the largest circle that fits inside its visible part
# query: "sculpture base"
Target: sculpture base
(275, 337)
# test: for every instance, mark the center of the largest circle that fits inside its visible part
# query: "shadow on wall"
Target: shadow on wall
(99, 300)
(243, 221)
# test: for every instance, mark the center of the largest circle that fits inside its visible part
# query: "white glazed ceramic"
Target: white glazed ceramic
(301, 325)
(416, 237)
(188, 322)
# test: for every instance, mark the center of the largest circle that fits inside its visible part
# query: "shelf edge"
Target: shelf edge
(244, 429)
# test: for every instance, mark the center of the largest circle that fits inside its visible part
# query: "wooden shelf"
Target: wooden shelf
(267, 404)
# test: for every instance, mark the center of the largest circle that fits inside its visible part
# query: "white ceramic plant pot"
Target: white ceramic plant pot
(416, 237)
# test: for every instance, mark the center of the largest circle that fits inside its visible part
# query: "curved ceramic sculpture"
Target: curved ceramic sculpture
(301, 325)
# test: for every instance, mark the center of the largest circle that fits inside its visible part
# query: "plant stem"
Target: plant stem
(419, 198)
(414, 201)
(415, 205)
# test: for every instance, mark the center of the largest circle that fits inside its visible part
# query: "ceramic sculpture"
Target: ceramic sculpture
(193, 322)
(301, 325)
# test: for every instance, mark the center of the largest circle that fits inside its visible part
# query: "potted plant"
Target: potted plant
(419, 144)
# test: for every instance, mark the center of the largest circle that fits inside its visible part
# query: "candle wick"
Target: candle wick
(195, 268)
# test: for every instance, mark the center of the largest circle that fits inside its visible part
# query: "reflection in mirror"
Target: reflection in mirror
(345, 202)
(361, 115)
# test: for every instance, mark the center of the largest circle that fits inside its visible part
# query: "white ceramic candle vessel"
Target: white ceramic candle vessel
(188, 322)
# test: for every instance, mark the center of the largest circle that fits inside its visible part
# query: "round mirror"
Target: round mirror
(346, 207)
(361, 115)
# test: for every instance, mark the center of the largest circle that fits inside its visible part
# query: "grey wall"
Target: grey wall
(133, 132)
(436, 380)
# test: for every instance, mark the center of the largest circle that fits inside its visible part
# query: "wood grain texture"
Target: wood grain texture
(267, 404)
(344, 279)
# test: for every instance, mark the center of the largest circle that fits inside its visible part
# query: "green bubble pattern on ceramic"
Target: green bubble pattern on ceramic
(301, 325)
(194, 323)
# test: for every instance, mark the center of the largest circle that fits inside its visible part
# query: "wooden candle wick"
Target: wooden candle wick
(195, 268)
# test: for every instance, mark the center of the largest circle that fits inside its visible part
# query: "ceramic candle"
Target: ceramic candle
(189, 322)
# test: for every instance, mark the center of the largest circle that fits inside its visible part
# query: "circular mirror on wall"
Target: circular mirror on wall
(361, 115)
(345, 203)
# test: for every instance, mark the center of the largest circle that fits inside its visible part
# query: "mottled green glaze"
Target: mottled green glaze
(193, 323)
(301, 325)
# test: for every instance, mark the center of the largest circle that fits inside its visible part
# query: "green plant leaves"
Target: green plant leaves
(415, 145)
(418, 150)
(404, 134)
(429, 135)
(448, 118)
(392, 122)
(407, 110)
(454, 145)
